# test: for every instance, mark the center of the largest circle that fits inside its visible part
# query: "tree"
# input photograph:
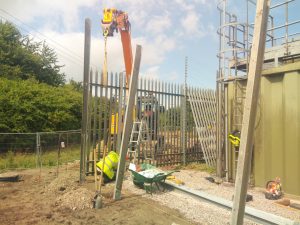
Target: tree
(22, 58)
(76, 85)
(51, 70)
(10, 51)
(27, 106)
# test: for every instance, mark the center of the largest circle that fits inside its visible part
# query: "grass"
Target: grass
(198, 166)
(48, 158)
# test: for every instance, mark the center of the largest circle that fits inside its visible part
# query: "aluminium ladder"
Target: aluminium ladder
(139, 134)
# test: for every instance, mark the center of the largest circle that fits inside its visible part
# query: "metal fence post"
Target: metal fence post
(38, 150)
(183, 107)
(58, 153)
(120, 122)
(183, 125)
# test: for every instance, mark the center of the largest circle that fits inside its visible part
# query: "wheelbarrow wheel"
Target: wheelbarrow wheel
(138, 183)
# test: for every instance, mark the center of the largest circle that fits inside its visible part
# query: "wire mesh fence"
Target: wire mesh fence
(42, 149)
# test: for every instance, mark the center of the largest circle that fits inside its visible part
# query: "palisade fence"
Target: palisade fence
(29, 150)
(161, 105)
(203, 105)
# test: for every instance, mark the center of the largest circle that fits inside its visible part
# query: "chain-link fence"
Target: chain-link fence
(42, 149)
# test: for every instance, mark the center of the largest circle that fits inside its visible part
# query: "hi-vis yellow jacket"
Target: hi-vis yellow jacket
(110, 164)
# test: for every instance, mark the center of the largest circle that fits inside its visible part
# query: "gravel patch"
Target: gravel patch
(69, 194)
(197, 181)
(196, 211)
(78, 199)
(64, 182)
(204, 213)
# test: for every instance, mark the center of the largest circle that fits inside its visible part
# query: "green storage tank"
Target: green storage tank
(277, 130)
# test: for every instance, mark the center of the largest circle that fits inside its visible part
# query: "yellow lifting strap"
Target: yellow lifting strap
(104, 70)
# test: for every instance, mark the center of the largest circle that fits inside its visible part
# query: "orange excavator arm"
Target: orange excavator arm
(117, 21)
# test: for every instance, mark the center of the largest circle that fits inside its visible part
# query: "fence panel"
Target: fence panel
(159, 105)
(203, 104)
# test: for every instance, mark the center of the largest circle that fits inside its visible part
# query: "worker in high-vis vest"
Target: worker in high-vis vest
(110, 166)
(234, 138)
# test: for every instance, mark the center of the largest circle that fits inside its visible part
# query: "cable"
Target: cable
(67, 51)
(75, 61)
(75, 54)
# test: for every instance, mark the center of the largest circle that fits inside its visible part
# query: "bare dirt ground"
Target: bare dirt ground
(45, 198)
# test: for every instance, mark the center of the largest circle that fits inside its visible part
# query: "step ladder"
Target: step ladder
(139, 135)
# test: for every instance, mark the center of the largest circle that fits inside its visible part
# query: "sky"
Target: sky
(167, 30)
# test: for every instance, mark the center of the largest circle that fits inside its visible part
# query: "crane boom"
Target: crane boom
(127, 52)
(117, 21)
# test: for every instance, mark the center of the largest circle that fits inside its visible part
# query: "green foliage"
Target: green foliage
(172, 117)
(76, 86)
(27, 106)
(21, 58)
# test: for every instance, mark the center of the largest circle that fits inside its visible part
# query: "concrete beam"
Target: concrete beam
(84, 125)
(128, 122)
(249, 113)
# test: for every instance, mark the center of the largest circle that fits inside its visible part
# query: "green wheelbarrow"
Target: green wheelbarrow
(150, 175)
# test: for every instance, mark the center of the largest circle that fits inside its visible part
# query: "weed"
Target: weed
(10, 159)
